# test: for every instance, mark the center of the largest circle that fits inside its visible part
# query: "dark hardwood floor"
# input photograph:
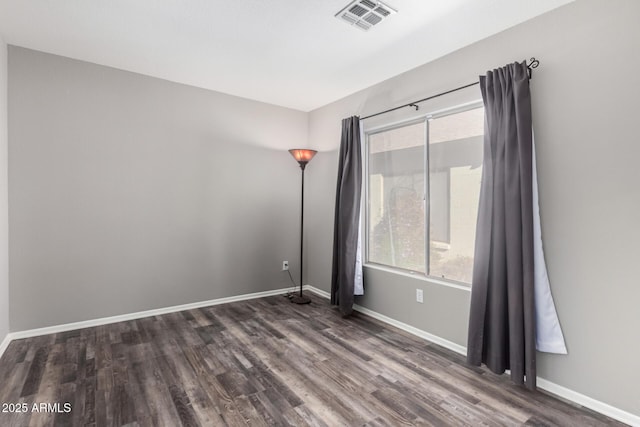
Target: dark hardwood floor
(261, 362)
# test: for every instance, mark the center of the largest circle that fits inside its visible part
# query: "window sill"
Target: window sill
(419, 276)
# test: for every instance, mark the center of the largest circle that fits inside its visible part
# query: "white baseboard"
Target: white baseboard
(317, 291)
(5, 343)
(589, 402)
(415, 331)
(138, 315)
(548, 386)
(400, 325)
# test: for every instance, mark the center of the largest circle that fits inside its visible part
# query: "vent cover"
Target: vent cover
(364, 14)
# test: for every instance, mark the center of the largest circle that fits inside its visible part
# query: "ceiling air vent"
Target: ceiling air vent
(364, 14)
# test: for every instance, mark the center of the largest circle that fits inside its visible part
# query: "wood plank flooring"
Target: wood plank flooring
(261, 362)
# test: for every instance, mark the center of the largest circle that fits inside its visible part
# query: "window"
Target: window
(425, 171)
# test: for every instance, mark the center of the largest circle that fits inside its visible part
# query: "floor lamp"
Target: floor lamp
(303, 157)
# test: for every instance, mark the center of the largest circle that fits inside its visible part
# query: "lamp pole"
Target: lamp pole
(302, 228)
(303, 157)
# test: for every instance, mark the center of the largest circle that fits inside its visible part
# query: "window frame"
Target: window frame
(426, 118)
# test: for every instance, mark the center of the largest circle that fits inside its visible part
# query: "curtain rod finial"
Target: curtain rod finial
(531, 65)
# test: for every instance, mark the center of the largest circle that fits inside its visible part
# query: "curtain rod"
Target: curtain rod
(531, 65)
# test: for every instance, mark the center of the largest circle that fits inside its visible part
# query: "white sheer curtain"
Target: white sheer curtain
(358, 285)
(549, 337)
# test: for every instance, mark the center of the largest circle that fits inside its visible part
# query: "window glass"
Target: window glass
(455, 172)
(398, 168)
(396, 215)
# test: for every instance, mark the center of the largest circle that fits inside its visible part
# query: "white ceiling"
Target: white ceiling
(292, 53)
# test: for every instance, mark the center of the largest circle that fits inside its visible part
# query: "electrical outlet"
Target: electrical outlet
(419, 296)
(285, 265)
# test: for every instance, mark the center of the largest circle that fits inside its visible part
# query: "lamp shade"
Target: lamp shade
(302, 155)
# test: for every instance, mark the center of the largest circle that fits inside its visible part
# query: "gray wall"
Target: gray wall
(129, 193)
(4, 226)
(585, 106)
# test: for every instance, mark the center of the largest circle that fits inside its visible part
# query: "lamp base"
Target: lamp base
(300, 299)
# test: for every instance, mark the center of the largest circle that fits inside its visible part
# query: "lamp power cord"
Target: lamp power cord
(293, 291)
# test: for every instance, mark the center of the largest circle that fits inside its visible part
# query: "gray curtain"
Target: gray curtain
(347, 216)
(502, 317)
